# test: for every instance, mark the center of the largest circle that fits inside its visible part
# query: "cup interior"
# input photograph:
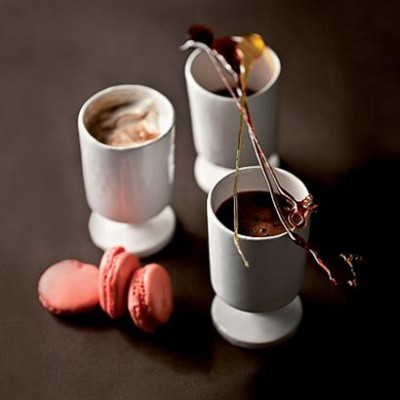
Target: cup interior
(251, 178)
(118, 95)
(263, 74)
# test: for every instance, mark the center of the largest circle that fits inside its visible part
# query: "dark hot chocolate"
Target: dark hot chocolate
(257, 215)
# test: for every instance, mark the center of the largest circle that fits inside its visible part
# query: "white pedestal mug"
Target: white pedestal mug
(129, 188)
(215, 118)
(259, 305)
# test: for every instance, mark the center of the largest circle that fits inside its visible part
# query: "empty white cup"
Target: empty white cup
(215, 118)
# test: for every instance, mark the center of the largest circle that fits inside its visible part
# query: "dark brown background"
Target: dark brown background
(339, 132)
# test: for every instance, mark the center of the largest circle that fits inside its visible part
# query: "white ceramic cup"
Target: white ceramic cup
(274, 277)
(128, 185)
(215, 118)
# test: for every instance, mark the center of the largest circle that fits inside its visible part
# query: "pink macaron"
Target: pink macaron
(68, 287)
(116, 269)
(150, 297)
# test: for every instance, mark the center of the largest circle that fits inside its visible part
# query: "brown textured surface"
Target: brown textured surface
(339, 132)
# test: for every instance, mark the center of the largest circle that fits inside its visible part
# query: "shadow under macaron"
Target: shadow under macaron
(94, 320)
(185, 341)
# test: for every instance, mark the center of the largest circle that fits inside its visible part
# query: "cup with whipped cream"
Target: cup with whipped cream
(126, 136)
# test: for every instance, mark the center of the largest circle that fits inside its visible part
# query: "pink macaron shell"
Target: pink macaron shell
(106, 264)
(150, 298)
(68, 287)
(116, 275)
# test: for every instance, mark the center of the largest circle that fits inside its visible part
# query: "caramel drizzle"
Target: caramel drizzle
(298, 210)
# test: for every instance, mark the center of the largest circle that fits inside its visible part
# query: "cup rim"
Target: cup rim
(231, 232)
(195, 53)
(82, 126)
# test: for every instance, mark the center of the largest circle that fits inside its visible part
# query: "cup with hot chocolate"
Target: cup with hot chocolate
(215, 117)
(126, 135)
(257, 247)
(258, 305)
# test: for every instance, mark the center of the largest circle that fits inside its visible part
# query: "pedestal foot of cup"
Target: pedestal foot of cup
(143, 239)
(256, 330)
(208, 174)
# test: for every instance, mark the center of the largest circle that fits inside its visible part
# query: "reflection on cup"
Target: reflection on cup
(263, 296)
(128, 168)
(215, 117)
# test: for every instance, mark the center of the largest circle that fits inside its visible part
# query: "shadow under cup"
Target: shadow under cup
(276, 270)
(128, 184)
